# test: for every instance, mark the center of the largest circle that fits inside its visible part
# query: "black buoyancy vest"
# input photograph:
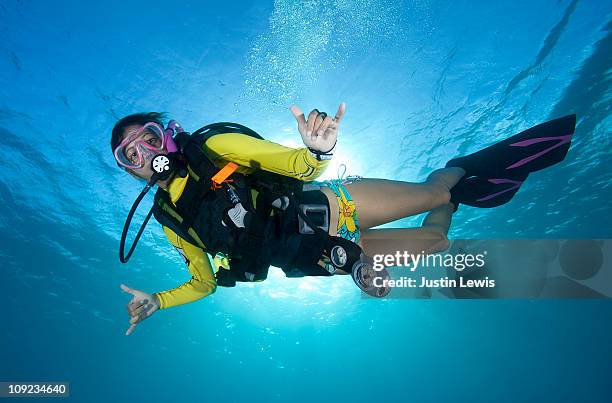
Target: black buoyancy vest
(268, 239)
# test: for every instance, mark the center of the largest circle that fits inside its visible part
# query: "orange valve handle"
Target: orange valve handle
(224, 173)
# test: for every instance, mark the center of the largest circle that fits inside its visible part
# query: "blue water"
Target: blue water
(424, 81)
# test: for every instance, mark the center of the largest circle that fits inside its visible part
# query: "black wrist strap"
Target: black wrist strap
(322, 155)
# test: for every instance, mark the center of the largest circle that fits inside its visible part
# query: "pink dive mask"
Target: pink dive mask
(140, 145)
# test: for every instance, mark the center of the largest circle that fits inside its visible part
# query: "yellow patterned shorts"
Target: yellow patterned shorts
(348, 222)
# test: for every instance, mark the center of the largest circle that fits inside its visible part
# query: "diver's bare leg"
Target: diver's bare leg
(379, 201)
(431, 237)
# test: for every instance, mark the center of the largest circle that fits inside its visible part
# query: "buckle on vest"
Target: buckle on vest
(318, 214)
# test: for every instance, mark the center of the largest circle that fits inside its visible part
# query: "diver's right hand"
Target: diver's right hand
(142, 306)
(320, 131)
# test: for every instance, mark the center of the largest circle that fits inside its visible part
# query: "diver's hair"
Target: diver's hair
(134, 119)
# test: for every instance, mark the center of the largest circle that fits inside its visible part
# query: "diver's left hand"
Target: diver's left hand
(320, 131)
(142, 306)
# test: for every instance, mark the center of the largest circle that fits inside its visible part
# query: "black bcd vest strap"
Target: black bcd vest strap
(162, 202)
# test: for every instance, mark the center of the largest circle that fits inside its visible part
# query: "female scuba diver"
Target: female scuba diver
(250, 203)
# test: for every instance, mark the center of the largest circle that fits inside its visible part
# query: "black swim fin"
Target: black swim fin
(482, 192)
(494, 174)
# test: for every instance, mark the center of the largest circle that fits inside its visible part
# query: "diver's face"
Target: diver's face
(142, 155)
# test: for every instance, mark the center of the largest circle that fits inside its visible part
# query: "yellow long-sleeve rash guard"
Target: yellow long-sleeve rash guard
(250, 154)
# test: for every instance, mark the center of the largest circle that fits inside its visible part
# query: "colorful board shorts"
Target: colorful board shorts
(348, 221)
